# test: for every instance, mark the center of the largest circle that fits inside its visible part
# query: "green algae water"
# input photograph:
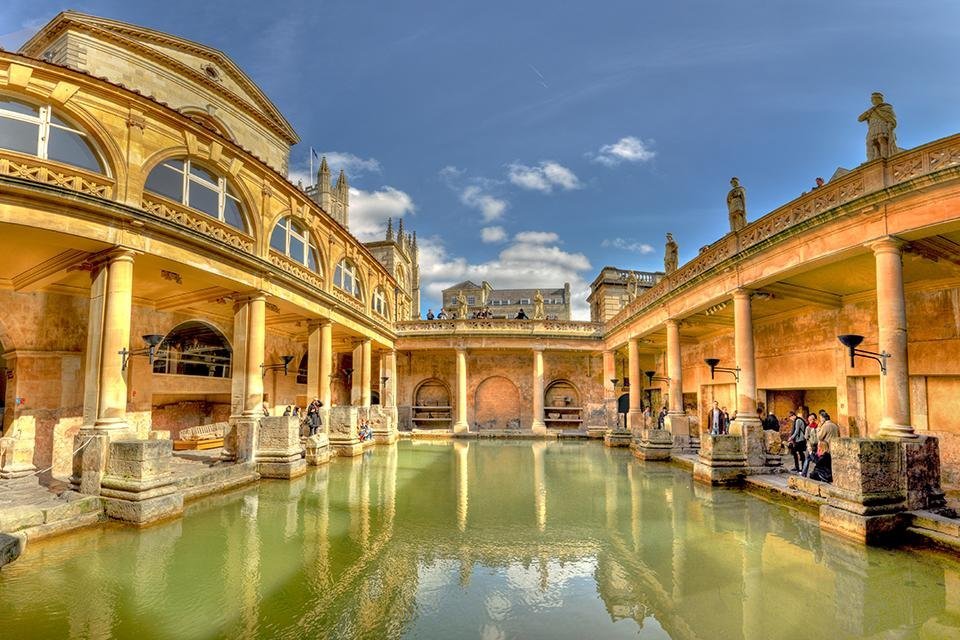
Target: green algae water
(479, 540)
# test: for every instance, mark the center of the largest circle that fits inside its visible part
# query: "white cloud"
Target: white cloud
(369, 210)
(525, 262)
(537, 237)
(626, 149)
(628, 245)
(544, 177)
(354, 165)
(493, 234)
(491, 208)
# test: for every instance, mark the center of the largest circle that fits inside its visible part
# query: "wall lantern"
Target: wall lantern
(851, 341)
(652, 375)
(713, 362)
(284, 365)
(152, 340)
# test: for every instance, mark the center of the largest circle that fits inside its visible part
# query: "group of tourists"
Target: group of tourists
(309, 419)
(718, 420)
(809, 442)
(480, 314)
(364, 432)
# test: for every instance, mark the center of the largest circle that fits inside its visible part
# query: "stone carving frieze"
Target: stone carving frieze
(40, 172)
(198, 222)
(295, 269)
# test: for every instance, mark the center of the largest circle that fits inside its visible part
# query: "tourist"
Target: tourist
(826, 433)
(288, 411)
(429, 314)
(725, 426)
(521, 315)
(313, 416)
(442, 315)
(797, 442)
(661, 417)
(715, 419)
(364, 431)
(265, 408)
(647, 416)
(771, 422)
(811, 435)
(296, 412)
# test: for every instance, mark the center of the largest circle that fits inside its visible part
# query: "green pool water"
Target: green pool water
(479, 540)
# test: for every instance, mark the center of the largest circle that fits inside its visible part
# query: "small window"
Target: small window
(37, 131)
(198, 188)
(345, 278)
(292, 238)
(379, 303)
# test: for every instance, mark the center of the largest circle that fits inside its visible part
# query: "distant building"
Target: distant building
(506, 303)
(614, 288)
(398, 253)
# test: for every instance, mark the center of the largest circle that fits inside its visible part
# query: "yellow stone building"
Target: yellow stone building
(161, 271)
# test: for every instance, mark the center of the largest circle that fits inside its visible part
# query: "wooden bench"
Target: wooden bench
(205, 436)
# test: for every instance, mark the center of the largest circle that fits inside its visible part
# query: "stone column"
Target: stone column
(892, 329)
(366, 352)
(118, 304)
(326, 362)
(240, 441)
(356, 395)
(256, 343)
(607, 421)
(676, 421)
(313, 360)
(747, 423)
(635, 417)
(460, 425)
(538, 426)
(390, 370)
(383, 417)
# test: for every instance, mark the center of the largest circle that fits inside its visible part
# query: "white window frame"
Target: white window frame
(220, 187)
(379, 302)
(306, 238)
(44, 124)
(343, 270)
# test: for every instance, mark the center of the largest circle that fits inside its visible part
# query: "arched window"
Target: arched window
(345, 277)
(187, 183)
(290, 237)
(39, 132)
(379, 302)
(194, 349)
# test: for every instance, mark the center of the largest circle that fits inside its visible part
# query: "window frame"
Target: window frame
(306, 239)
(379, 299)
(222, 188)
(347, 268)
(44, 123)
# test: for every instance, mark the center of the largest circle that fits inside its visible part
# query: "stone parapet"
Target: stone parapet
(317, 450)
(279, 454)
(653, 444)
(773, 449)
(722, 460)
(617, 438)
(137, 486)
(240, 439)
(344, 440)
(921, 464)
(383, 422)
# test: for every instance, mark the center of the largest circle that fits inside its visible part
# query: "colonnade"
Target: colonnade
(892, 339)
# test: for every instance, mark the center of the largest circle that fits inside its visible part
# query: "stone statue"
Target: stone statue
(881, 122)
(737, 205)
(670, 255)
(633, 285)
(538, 306)
(462, 309)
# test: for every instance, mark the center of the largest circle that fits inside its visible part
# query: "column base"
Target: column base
(346, 448)
(653, 444)
(773, 449)
(89, 461)
(144, 512)
(138, 487)
(866, 529)
(538, 428)
(241, 439)
(383, 423)
(921, 464)
(282, 470)
(721, 461)
(897, 431)
(617, 439)
(17, 470)
(751, 430)
(318, 450)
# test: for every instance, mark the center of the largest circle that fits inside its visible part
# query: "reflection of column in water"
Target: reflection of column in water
(293, 507)
(610, 499)
(389, 497)
(678, 513)
(247, 558)
(752, 603)
(633, 471)
(365, 505)
(539, 484)
(155, 550)
(317, 555)
(461, 449)
(945, 624)
(353, 466)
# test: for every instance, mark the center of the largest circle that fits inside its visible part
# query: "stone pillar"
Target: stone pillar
(747, 425)
(118, 304)
(137, 485)
(635, 417)
(538, 426)
(313, 360)
(367, 355)
(676, 421)
(240, 440)
(344, 439)
(278, 448)
(326, 362)
(892, 330)
(460, 425)
(356, 394)
(383, 418)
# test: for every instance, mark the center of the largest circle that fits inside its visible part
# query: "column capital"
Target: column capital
(316, 323)
(741, 293)
(120, 254)
(887, 244)
(460, 350)
(249, 296)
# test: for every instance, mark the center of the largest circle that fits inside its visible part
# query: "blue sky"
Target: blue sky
(535, 142)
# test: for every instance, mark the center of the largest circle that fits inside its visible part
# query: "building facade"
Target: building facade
(507, 303)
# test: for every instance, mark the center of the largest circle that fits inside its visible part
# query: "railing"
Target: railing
(168, 210)
(53, 173)
(869, 178)
(570, 328)
(296, 269)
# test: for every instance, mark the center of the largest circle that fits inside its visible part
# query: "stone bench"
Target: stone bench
(205, 436)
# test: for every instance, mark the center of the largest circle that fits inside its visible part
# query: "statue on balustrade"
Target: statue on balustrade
(881, 123)
(737, 205)
(670, 255)
(633, 286)
(463, 310)
(538, 306)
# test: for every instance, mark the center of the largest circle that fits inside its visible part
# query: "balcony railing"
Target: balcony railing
(505, 327)
(33, 168)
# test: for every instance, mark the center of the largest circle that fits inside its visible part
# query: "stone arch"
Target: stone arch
(432, 392)
(195, 348)
(210, 121)
(497, 404)
(561, 392)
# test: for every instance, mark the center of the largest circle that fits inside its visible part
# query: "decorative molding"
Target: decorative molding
(43, 171)
(202, 223)
(296, 269)
(171, 275)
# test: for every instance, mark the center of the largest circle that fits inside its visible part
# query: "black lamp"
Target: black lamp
(851, 341)
(713, 362)
(152, 340)
(284, 364)
(652, 375)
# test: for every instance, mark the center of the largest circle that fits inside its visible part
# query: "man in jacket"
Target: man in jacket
(797, 442)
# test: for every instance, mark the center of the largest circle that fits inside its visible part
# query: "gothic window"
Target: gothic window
(292, 238)
(380, 303)
(187, 183)
(39, 132)
(345, 277)
(194, 349)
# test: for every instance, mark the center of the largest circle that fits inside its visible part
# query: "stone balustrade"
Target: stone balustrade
(53, 173)
(558, 328)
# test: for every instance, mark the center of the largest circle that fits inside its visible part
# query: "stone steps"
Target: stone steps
(936, 523)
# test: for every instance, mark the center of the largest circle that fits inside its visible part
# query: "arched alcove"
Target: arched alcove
(561, 405)
(194, 349)
(497, 404)
(302, 370)
(432, 405)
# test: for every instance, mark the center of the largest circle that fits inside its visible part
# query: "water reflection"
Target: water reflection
(479, 539)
